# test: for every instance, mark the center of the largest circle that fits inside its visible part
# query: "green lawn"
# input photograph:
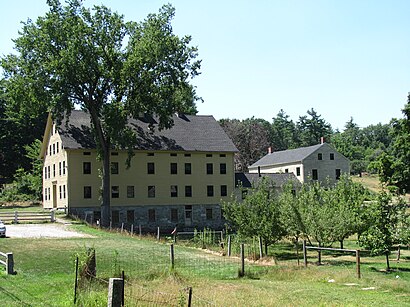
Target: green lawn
(45, 275)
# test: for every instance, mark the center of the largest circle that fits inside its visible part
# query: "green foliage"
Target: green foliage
(27, 185)
(258, 215)
(385, 219)
(312, 127)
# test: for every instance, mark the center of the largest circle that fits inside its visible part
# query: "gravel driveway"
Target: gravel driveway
(55, 230)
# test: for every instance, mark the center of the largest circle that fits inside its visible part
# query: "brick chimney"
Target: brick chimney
(269, 150)
(322, 140)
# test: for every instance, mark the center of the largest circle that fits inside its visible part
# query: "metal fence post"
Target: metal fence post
(171, 256)
(229, 246)
(305, 254)
(189, 296)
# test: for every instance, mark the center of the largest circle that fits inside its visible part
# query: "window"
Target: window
(130, 216)
(130, 191)
(59, 169)
(187, 155)
(209, 155)
(210, 190)
(319, 156)
(54, 149)
(338, 173)
(64, 193)
(224, 190)
(151, 215)
(87, 153)
(57, 147)
(174, 191)
(209, 168)
(48, 172)
(286, 170)
(188, 169)
(114, 168)
(86, 167)
(222, 168)
(209, 214)
(115, 191)
(332, 156)
(150, 154)
(174, 168)
(188, 191)
(45, 172)
(315, 175)
(63, 167)
(114, 153)
(45, 194)
(188, 213)
(173, 155)
(150, 168)
(49, 150)
(54, 170)
(174, 215)
(151, 191)
(115, 216)
(222, 155)
(298, 171)
(87, 192)
(60, 190)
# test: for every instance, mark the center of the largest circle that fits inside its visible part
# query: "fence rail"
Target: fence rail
(27, 216)
(8, 263)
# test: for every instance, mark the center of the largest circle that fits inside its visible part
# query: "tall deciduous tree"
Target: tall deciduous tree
(112, 69)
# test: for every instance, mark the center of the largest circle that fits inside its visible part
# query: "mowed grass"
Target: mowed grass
(45, 275)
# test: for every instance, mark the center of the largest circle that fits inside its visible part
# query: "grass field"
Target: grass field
(45, 275)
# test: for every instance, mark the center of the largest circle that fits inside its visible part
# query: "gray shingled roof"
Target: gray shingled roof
(287, 156)
(189, 133)
(246, 180)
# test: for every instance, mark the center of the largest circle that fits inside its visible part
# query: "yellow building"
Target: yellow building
(177, 176)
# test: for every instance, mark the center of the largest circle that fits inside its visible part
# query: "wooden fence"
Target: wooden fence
(27, 216)
(319, 249)
(8, 263)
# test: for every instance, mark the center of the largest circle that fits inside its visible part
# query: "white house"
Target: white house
(318, 162)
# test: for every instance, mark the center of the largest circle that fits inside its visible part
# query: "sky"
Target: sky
(345, 59)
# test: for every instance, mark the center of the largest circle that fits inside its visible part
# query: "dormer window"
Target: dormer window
(332, 156)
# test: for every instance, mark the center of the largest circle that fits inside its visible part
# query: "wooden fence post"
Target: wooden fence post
(171, 255)
(10, 263)
(16, 218)
(319, 255)
(140, 230)
(260, 248)
(123, 288)
(132, 229)
(122, 227)
(115, 292)
(52, 216)
(242, 271)
(358, 263)
(229, 246)
(158, 233)
(110, 225)
(305, 254)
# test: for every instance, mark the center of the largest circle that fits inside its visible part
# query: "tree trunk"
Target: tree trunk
(341, 244)
(105, 204)
(387, 261)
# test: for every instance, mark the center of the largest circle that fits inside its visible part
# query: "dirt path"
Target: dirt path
(46, 230)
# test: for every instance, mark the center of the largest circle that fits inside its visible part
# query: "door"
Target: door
(188, 215)
(54, 195)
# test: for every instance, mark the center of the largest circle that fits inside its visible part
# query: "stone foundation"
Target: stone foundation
(202, 216)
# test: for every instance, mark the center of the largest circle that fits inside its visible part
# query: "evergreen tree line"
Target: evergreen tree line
(379, 148)
(320, 214)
